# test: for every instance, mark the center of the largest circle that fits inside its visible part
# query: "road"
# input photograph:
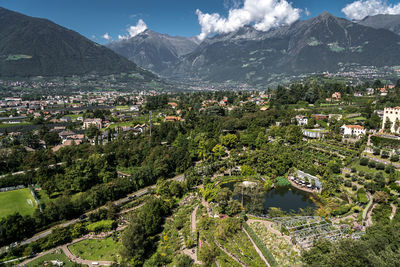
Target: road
(23, 172)
(179, 178)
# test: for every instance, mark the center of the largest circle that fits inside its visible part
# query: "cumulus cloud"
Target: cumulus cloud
(134, 30)
(363, 8)
(107, 36)
(262, 14)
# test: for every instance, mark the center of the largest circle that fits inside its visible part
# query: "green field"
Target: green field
(56, 255)
(17, 201)
(97, 249)
(6, 125)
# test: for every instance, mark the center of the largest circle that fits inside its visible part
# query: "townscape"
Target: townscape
(161, 158)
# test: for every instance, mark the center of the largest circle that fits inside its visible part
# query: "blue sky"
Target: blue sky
(94, 18)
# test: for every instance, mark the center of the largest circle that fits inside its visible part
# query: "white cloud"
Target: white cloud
(134, 30)
(107, 36)
(263, 14)
(307, 12)
(362, 8)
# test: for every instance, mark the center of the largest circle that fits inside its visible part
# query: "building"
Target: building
(370, 91)
(173, 118)
(307, 180)
(301, 120)
(336, 96)
(96, 122)
(392, 115)
(353, 130)
(337, 117)
(319, 117)
(315, 133)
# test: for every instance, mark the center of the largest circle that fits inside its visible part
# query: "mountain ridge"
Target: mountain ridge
(307, 46)
(154, 51)
(32, 46)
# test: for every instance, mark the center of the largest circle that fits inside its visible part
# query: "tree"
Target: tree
(234, 207)
(388, 125)
(294, 134)
(229, 140)
(380, 197)
(218, 151)
(208, 254)
(247, 171)
(92, 132)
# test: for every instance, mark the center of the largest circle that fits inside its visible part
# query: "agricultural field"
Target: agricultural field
(97, 249)
(55, 255)
(17, 201)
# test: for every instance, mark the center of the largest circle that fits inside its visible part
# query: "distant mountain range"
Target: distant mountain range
(38, 47)
(154, 51)
(388, 22)
(323, 43)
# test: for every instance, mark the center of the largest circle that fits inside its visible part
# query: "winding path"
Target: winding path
(256, 248)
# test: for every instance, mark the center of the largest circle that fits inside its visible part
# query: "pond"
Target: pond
(257, 200)
(287, 199)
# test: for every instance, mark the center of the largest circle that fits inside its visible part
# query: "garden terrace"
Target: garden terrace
(339, 150)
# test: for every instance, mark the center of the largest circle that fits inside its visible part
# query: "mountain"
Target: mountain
(319, 44)
(154, 51)
(38, 47)
(388, 22)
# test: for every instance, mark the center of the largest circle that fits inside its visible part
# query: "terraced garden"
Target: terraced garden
(283, 252)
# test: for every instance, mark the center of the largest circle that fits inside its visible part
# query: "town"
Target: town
(276, 169)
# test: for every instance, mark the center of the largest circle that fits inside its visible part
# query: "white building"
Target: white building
(315, 133)
(301, 120)
(392, 114)
(353, 130)
(96, 122)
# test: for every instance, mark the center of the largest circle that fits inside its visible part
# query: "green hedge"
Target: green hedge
(267, 254)
(104, 225)
(385, 142)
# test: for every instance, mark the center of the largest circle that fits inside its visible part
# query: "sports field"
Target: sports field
(16, 201)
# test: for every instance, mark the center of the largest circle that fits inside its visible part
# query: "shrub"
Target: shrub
(281, 182)
(361, 173)
(347, 183)
(347, 175)
(364, 161)
(341, 210)
(105, 225)
(368, 176)
(353, 170)
(354, 178)
(354, 188)
(377, 151)
(390, 169)
(371, 164)
(380, 166)
(385, 154)
(394, 158)
(362, 195)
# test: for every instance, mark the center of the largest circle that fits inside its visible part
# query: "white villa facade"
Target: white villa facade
(353, 130)
(392, 114)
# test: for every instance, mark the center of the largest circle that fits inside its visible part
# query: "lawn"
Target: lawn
(6, 125)
(56, 255)
(97, 249)
(356, 119)
(17, 201)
